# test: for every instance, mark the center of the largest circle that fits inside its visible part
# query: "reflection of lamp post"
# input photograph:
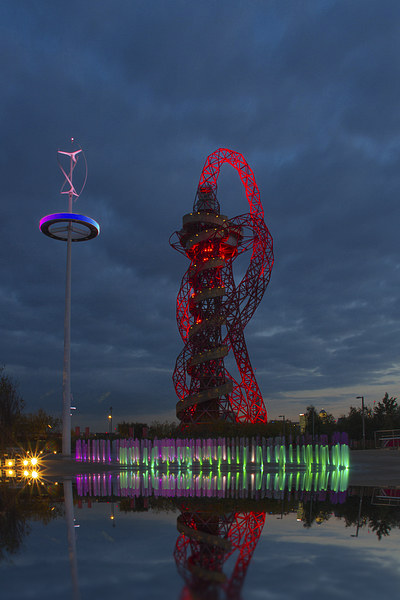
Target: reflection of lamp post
(363, 419)
(110, 421)
(112, 514)
(69, 516)
(359, 514)
(283, 424)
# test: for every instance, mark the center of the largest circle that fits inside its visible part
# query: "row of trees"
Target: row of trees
(171, 429)
(17, 427)
(383, 415)
(23, 429)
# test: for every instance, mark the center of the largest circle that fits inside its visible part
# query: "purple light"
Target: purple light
(57, 226)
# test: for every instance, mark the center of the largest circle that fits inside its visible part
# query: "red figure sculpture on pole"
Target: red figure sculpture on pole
(212, 310)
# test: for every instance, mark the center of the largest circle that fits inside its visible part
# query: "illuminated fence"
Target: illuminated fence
(93, 451)
(239, 485)
(220, 453)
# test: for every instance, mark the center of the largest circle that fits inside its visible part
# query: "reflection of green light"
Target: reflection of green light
(281, 480)
(344, 480)
(324, 478)
(335, 481)
(186, 483)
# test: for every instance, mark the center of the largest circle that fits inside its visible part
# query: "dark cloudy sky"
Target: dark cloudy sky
(307, 91)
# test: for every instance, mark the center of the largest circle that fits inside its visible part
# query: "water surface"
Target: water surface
(287, 544)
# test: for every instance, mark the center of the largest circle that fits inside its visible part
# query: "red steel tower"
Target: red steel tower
(212, 310)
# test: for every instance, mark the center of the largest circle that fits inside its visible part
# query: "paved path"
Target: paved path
(375, 467)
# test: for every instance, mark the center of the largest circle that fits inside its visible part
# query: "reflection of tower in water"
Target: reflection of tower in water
(207, 540)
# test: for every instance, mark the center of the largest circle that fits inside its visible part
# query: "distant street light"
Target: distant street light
(110, 421)
(363, 418)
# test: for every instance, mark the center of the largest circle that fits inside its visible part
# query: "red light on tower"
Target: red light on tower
(212, 310)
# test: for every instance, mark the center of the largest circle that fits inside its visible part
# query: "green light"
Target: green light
(345, 456)
(344, 480)
(282, 457)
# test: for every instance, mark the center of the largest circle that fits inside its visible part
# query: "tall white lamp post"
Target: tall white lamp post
(69, 227)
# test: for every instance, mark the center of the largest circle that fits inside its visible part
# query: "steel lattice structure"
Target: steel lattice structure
(212, 310)
(206, 542)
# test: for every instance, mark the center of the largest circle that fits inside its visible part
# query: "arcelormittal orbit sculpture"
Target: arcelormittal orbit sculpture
(212, 310)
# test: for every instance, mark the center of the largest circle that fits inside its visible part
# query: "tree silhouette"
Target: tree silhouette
(11, 405)
(387, 413)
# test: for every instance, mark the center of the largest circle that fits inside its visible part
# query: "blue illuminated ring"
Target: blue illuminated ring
(58, 225)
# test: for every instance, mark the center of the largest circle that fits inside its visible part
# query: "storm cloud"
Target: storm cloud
(308, 92)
